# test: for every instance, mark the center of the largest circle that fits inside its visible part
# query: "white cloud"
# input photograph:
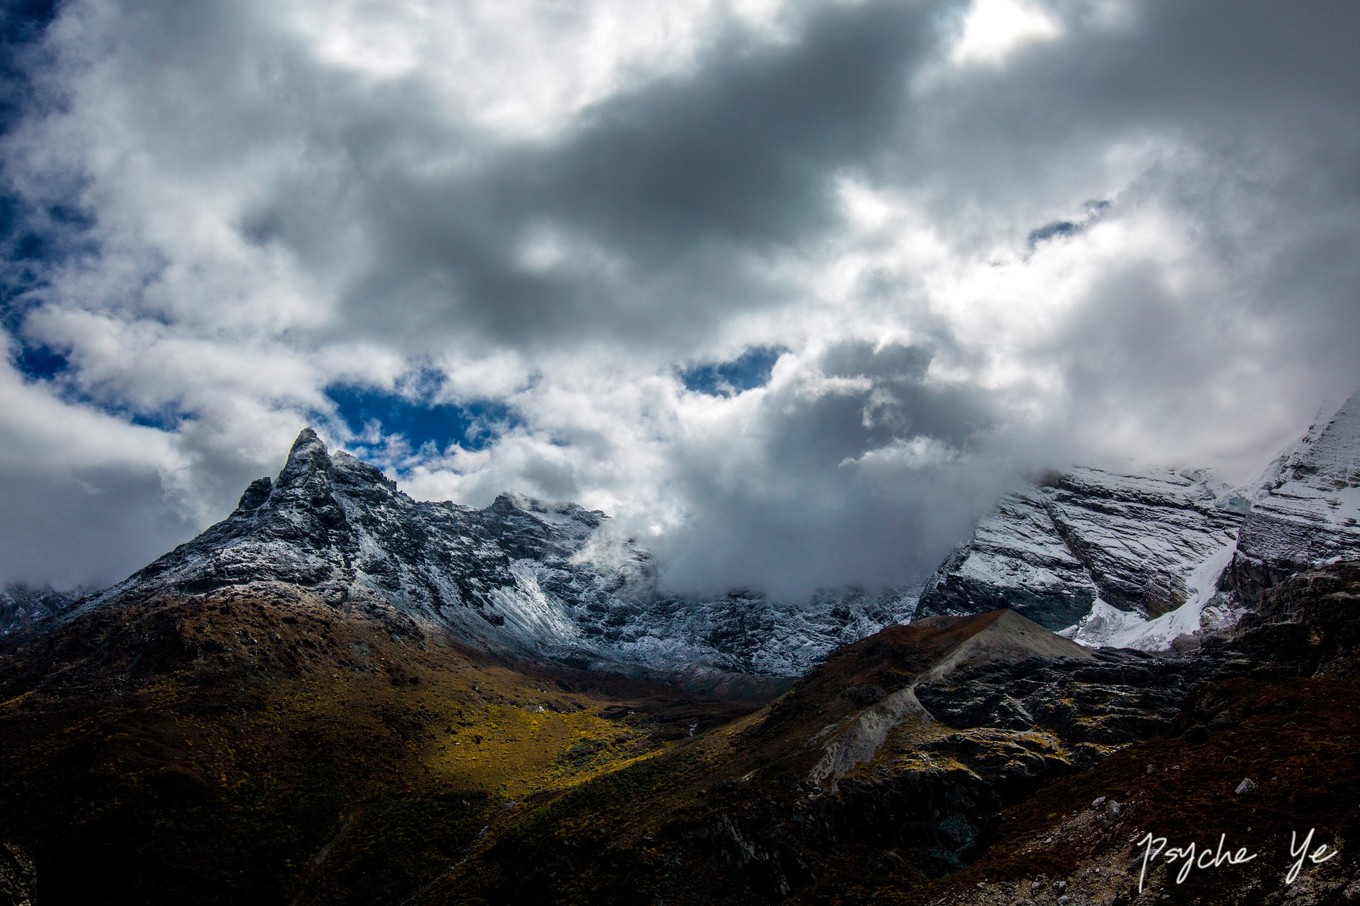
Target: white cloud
(994, 29)
(523, 68)
(85, 493)
(557, 207)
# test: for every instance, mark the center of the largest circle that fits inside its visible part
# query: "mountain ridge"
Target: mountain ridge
(520, 576)
(1140, 560)
(1056, 550)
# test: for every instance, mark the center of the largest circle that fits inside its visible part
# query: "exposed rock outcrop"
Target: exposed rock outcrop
(1264, 759)
(18, 877)
(22, 606)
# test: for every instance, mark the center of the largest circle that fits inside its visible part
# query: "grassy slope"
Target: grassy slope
(230, 749)
(728, 818)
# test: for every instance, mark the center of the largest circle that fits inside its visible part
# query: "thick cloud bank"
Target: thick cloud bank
(793, 288)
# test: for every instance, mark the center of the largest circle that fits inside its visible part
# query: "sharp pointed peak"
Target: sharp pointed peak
(308, 437)
(308, 453)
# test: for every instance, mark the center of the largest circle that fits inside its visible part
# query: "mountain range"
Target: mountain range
(520, 576)
(341, 694)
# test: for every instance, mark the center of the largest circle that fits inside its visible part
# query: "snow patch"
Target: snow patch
(1205, 609)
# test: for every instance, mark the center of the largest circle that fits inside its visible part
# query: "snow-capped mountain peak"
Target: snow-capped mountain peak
(1087, 537)
(1143, 560)
(522, 575)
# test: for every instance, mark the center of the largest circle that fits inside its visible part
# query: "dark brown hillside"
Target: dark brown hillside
(242, 746)
(1292, 728)
(848, 769)
(232, 748)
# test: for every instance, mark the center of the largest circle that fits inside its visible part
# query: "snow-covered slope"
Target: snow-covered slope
(1308, 511)
(1140, 561)
(1119, 549)
(1207, 609)
(521, 575)
(1016, 558)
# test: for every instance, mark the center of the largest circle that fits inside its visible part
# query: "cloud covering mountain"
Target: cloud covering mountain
(792, 288)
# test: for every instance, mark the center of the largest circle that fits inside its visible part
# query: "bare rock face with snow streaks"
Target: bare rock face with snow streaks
(22, 606)
(1061, 547)
(1146, 560)
(1308, 511)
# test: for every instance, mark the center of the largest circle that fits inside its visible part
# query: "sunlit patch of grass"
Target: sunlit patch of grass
(516, 750)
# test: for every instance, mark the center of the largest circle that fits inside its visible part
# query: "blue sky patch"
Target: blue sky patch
(22, 22)
(1052, 231)
(747, 371)
(43, 364)
(473, 426)
(40, 363)
(162, 420)
(1061, 229)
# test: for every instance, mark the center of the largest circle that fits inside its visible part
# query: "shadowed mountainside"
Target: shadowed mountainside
(1261, 759)
(230, 747)
(892, 760)
(222, 747)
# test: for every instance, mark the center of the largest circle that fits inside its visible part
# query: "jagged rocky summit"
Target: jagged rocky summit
(520, 576)
(1148, 559)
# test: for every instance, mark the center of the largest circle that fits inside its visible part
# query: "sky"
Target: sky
(791, 289)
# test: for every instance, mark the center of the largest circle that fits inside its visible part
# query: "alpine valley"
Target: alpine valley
(339, 694)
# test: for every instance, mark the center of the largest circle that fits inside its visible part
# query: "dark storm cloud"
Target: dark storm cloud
(1219, 65)
(861, 471)
(742, 150)
(686, 183)
(84, 527)
(1245, 84)
(1246, 115)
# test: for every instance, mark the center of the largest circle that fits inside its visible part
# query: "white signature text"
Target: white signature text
(1192, 856)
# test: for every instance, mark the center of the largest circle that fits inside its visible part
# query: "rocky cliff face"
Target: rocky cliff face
(1308, 511)
(18, 878)
(1261, 760)
(521, 575)
(1129, 545)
